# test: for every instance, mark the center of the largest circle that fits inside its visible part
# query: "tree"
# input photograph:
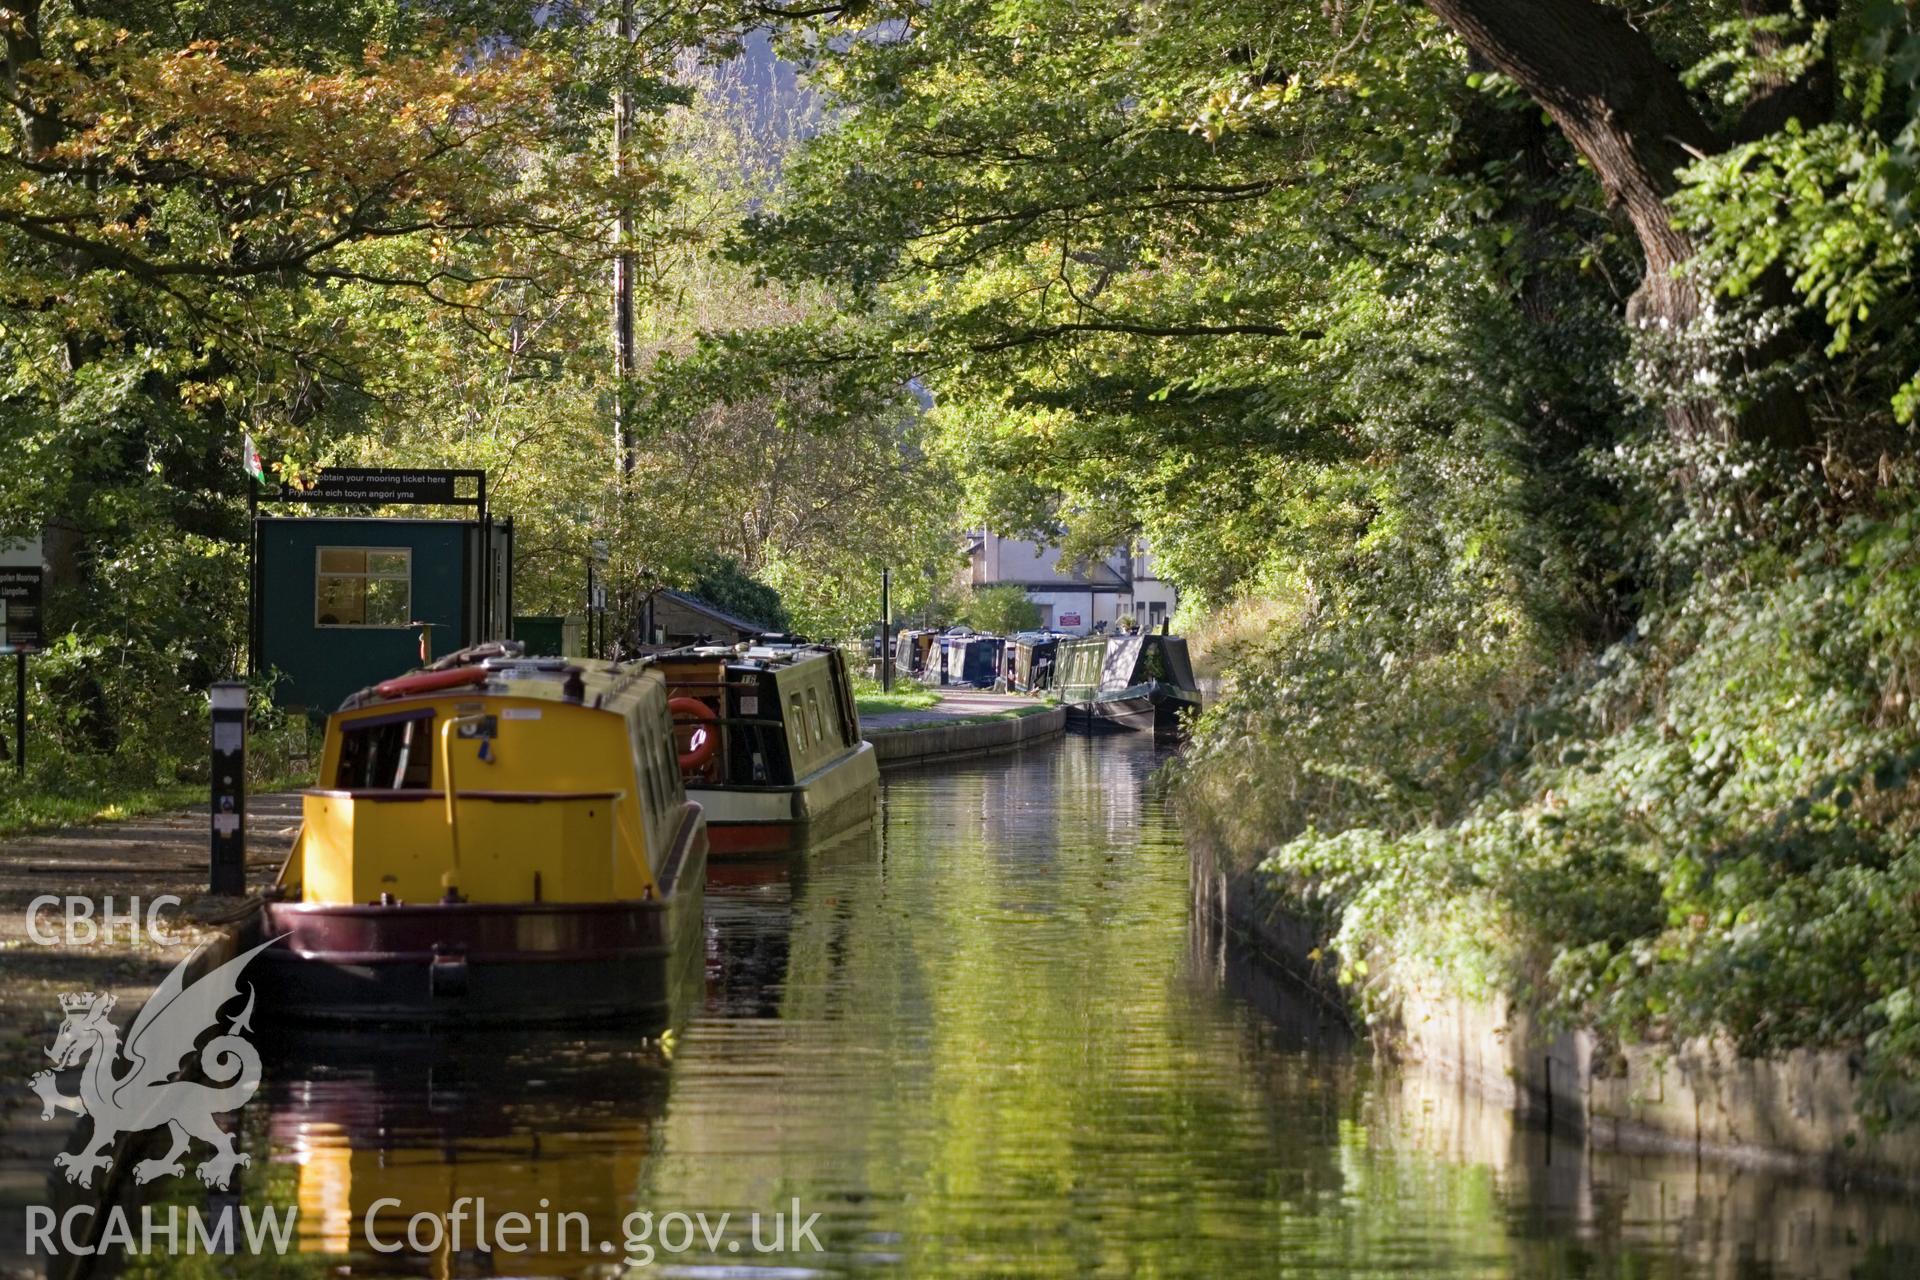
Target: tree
(1627, 111)
(1000, 611)
(1228, 301)
(259, 217)
(811, 480)
(722, 583)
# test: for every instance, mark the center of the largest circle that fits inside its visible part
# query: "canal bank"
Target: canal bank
(1798, 1112)
(963, 723)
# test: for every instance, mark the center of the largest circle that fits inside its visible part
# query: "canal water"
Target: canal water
(984, 1039)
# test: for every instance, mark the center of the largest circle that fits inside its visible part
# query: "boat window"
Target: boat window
(642, 760)
(675, 785)
(657, 782)
(362, 587)
(797, 717)
(815, 716)
(387, 754)
(649, 769)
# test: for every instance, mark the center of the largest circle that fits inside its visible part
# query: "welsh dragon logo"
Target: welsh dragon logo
(131, 1088)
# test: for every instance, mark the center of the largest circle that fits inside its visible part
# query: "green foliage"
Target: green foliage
(266, 218)
(1830, 202)
(1000, 611)
(1609, 717)
(380, 235)
(721, 583)
(1208, 300)
(1707, 829)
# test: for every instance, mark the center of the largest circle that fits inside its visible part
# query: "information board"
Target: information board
(20, 593)
(429, 486)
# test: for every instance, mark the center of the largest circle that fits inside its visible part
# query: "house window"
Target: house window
(363, 587)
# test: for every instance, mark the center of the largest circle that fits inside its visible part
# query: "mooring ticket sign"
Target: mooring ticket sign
(427, 487)
(20, 591)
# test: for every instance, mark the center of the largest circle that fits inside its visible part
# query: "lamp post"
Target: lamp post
(886, 630)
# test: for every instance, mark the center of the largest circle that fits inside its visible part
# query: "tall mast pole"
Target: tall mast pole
(623, 427)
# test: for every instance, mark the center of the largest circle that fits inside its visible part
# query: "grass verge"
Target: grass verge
(38, 802)
(870, 700)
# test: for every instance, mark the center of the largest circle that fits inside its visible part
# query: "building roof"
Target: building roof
(719, 615)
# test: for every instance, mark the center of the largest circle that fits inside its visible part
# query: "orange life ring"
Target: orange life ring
(429, 681)
(701, 746)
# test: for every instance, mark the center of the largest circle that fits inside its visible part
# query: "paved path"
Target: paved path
(140, 857)
(954, 704)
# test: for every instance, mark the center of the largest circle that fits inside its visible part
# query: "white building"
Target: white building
(1075, 596)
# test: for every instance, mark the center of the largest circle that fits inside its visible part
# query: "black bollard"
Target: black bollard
(228, 871)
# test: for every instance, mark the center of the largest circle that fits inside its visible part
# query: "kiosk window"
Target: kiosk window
(363, 587)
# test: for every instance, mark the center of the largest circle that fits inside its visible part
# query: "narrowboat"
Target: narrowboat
(912, 651)
(1030, 660)
(770, 742)
(494, 839)
(1126, 682)
(973, 661)
(940, 660)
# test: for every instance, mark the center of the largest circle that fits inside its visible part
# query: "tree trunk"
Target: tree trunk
(39, 124)
(1601, 82)
(1777, 99)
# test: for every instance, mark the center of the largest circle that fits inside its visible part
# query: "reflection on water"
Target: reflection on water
(410, 1124)
(984, 1039)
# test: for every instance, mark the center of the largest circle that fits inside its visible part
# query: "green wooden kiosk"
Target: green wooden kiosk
(342, 601)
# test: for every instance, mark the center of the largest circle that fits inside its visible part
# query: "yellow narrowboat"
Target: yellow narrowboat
(773, 752)
(495, 838)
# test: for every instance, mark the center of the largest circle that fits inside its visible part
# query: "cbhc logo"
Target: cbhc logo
(75, 923)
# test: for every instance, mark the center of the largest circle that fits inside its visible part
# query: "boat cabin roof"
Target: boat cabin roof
(759, 655)
(590, 682)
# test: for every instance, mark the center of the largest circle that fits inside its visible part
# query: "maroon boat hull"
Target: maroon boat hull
(470, 963)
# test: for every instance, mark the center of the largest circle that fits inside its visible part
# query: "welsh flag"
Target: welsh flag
(250, 459)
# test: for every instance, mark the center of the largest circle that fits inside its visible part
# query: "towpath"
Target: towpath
(138, 858)
(954, 704)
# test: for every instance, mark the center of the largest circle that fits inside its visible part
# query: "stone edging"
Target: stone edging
(928, 743)
(1796, 1112)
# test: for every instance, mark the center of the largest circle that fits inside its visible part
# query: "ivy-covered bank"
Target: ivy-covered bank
(1708, 829)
